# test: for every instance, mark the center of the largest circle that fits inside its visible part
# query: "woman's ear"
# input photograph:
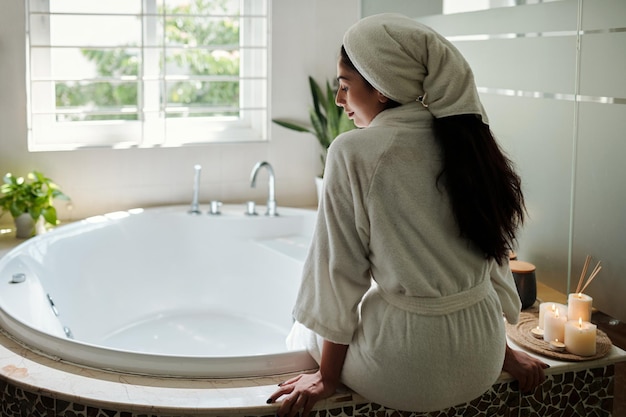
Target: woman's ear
(381, 97)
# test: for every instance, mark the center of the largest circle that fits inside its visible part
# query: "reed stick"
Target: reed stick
(592, 276)
(582, 275)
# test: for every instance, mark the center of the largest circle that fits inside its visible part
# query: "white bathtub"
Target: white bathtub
(162, 292)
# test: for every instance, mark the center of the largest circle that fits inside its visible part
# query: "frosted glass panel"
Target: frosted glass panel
(537, 136)
(602, 14)
(600, 203)
(603, 65)
(545, 17)
(412, 8)
(530, 64)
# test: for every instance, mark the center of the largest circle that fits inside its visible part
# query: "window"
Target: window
(142, 73)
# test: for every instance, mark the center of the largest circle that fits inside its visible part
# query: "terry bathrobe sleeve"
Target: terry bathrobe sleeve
(504, 284)
(336, 272)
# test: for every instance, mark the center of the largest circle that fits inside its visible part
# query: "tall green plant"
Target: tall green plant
(34, 195)
(327, 119)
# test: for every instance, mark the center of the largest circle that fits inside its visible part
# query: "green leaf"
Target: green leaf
(35, 212)
(292, 126)
(15, 210)
(332, 112)
(57, 194)
(316, 93)
(320, 130)
(50, 215)
(318, 100)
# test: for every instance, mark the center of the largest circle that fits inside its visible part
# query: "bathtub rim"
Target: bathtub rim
(145, 363)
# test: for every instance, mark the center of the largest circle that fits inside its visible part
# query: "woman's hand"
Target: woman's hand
(523, 367)
(301, 393)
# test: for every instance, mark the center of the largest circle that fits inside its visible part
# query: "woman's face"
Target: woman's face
(359, 100)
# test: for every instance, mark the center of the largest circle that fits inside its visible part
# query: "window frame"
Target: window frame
(153, 128)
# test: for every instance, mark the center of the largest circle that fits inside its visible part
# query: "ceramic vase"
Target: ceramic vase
(26, 227)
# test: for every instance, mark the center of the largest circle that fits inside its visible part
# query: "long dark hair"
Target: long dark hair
(485, 191)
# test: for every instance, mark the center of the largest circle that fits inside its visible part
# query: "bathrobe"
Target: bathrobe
(388, 274)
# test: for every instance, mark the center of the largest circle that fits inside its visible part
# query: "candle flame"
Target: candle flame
(556, 313)
(580, 295)
(553, 307)
(580, 322)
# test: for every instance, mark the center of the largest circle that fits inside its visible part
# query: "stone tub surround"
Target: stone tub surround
(33, 385)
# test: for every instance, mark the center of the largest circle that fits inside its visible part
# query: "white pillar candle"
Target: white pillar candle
(543, 307)
(580, 337)
(579, 306)
(554, 326)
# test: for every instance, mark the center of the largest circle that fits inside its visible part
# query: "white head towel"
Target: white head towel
(408, 61)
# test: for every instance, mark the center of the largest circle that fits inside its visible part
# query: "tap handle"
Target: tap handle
(214, 207)
(251, 208)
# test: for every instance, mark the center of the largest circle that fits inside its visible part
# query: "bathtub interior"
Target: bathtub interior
(163, 281)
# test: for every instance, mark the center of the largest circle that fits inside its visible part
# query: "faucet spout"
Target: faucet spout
(271, 199)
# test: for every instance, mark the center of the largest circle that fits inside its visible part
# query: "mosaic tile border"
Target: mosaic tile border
(587, 393)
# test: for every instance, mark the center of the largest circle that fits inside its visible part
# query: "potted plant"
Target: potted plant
(30, 201)
(327, 119)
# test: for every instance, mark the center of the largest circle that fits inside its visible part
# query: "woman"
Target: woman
(407, 279)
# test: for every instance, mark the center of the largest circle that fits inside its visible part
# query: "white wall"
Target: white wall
(306, 36)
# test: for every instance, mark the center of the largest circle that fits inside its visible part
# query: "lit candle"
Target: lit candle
(537, 332)
(553, 326)
(557, 346)
(579, 306)
(580, 337)
(543, 307)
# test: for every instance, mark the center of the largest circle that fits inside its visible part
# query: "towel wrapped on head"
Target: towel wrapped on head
(408, 61)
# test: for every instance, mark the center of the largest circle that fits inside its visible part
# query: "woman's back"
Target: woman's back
(414, 244)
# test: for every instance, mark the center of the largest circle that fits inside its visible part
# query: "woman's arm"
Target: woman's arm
(303, 391)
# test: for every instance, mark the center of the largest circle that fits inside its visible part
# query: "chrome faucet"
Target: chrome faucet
(195, 206)
(271, 199)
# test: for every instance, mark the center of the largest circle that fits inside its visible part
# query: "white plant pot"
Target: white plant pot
(319, 185)
(26, 227)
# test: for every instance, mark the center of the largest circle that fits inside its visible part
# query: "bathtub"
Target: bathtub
(162, 292)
